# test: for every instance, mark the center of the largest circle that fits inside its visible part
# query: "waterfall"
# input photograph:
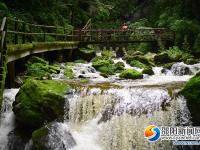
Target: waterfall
(7, 117)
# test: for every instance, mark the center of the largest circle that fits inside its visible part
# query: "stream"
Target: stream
(110, 113)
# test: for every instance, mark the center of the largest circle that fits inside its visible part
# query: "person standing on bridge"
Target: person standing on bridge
(124, 26)
(124, 29)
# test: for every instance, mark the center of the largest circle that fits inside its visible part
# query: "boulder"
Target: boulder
(53, 136)
(131, 74)
(120, 52)
(68, 73)
(119, 66)
(86, 54)
(162, 58)
(148, 70)
(40, 101)
(192, 94)
(104, 65)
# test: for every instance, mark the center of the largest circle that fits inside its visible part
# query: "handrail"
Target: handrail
(36, 25)
(87, 25)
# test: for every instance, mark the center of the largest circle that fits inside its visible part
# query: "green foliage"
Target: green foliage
(136, 63)
(107, 53)
(69, 73)
(131, 74)
(148, 70)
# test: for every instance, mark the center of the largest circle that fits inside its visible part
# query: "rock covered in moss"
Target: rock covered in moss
(108, 54)
(40, 101)
(119, 66)
(68, 72)
(148, 70)
(104, 65)
(162, 58)
(53, 136)
(85, 54)
(191, 92)
(131, 74)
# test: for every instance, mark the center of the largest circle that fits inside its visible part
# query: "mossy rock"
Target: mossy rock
(108, 54)
(136, 63)
(148, 70)
(107, 69)
(40, 101)
(50, 138)
(119, 67)
(131, 74)
(141, 61)
(168, 65)
(191, 92)
(191, 61)
(162, 58)
(69, 73)
(86, 54)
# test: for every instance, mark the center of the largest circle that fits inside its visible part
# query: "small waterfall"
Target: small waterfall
(181, 69)
(116, 118)
(7, 117)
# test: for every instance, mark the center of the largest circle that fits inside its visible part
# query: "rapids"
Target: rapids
(111, 114)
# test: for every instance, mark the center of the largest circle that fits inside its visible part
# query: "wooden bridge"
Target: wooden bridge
(20, 39)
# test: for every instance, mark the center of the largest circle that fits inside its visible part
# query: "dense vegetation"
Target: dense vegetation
(181, 16)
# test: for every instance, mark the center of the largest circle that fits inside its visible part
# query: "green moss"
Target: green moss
(84, 81)
(108, 54)
(80, 61)
(36, 59)
(148, 70)
(192, 94)
(162, 58)
(18, 48)
(69, 73)
(136, 63)
(131, 74)
(37, 134)
(40, 101)
(119, 67)
(192, 88)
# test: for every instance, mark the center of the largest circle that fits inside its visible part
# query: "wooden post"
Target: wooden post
(11, 74)
(24, 36)
(16, 35)
(30, 28)
(44, 35)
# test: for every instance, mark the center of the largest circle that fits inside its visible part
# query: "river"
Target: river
(110, 113)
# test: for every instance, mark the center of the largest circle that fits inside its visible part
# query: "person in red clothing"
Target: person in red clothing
(124, 26)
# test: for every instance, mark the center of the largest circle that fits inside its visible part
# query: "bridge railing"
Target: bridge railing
(114, 35)
(20, 32)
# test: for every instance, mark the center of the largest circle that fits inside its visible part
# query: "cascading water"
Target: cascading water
(7, 117)
(112, 117)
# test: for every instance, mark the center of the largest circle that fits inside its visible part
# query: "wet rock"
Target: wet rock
(148, 70)
(120, 53)
(16, 142)
(104, 65)
(162, 58)
(181, 69)
(119, 66)
(191, 61)
(108, 54)
(40, 101)
(192, 94)
(131, 74)
(86, 54)
(53, 136)
(69, 73)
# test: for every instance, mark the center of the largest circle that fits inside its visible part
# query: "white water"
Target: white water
(7, 117)
(113, 118)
